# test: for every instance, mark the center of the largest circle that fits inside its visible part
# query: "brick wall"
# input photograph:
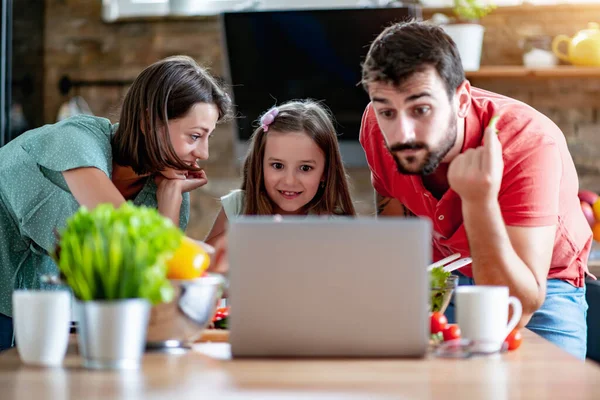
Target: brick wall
(77, 43)
(80, 45)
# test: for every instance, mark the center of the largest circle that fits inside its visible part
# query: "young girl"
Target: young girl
(293, 167)
(150, 158)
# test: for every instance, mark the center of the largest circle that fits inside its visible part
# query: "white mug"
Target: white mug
(42, 321)
(482, 312)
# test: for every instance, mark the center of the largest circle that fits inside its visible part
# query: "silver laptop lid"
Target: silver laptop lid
(329, 287)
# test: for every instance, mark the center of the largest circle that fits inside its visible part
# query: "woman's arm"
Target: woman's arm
(169, 197)
(91, 187)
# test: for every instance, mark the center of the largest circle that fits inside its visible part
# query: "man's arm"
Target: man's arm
(505, 254)
(390, 207)
(517, 257)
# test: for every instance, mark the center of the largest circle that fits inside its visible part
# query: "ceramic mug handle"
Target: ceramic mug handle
(516, 316)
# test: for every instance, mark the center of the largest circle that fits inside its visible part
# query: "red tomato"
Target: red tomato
(224, 310)
(514, 339)
(438, 322)
(221, 313)
(451, 332)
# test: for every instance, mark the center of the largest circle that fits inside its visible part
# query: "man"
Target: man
(509, 200)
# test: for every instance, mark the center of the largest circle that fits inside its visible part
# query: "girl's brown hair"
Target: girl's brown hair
(313, 119)
(164, 91)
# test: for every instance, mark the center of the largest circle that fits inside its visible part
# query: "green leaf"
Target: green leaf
(438, 277)
(437, 282)
(109, 253)
(472, 10)
(115, 259)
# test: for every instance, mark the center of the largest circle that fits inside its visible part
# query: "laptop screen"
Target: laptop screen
(276, 56)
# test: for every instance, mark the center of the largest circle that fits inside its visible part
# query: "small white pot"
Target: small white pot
(469, 40)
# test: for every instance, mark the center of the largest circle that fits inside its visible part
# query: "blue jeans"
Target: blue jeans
(6, 332)
(561, 319)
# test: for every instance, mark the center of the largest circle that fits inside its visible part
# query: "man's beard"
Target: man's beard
(409, 165)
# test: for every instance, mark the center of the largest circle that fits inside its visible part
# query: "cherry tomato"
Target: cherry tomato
(514, 339)
(451, 332)
(221, 313)
(438, 322)
(223, 309)
(218, 316)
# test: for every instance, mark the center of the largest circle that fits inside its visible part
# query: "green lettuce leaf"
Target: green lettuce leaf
(122, 253)
(437, 282)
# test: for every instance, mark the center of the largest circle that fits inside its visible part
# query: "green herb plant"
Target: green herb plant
(472, 10)
(117, 253)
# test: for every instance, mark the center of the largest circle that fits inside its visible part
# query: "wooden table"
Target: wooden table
(538, 370)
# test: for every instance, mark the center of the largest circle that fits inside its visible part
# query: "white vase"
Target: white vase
(469, 41)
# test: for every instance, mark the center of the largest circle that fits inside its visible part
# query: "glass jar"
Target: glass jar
(537, 51)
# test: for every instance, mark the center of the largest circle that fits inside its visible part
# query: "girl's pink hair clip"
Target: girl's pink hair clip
(268, 118)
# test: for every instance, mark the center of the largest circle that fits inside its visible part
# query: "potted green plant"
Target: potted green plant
(465, 30)
(115, 262)
(471, 11)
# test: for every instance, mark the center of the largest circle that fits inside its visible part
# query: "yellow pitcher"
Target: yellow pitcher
(583, 49)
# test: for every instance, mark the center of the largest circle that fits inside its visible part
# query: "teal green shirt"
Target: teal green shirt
(35, 200)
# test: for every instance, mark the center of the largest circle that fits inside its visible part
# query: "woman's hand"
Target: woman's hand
(170, 191)
(192, 181)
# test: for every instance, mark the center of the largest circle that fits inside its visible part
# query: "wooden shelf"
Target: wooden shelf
(520, 9)
(516, 71)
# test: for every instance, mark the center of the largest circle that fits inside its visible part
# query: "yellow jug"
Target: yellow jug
(583, 49)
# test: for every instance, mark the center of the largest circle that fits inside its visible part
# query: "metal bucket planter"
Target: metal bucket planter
(112, 334)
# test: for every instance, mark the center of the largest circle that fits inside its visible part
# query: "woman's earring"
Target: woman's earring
(322, 184)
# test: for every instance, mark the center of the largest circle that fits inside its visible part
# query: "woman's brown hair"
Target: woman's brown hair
(163, 91)
(313, 119)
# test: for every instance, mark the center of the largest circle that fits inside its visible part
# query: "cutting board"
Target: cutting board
(215, 336)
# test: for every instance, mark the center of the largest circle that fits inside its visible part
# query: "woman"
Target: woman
(150, 158)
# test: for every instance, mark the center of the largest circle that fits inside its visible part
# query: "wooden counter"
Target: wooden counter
(538, 370)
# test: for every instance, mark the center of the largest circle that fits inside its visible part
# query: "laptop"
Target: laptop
(322, 287)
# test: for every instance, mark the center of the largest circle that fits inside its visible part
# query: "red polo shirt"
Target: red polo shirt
(539, 185)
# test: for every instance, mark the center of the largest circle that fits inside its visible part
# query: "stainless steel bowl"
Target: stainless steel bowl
(178, 324)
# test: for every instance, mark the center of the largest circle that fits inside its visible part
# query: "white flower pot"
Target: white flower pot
(469, 40)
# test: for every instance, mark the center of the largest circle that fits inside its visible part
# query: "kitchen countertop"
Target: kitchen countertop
(536, 370)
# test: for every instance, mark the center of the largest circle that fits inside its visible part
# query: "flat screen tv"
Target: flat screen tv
(275, 56)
